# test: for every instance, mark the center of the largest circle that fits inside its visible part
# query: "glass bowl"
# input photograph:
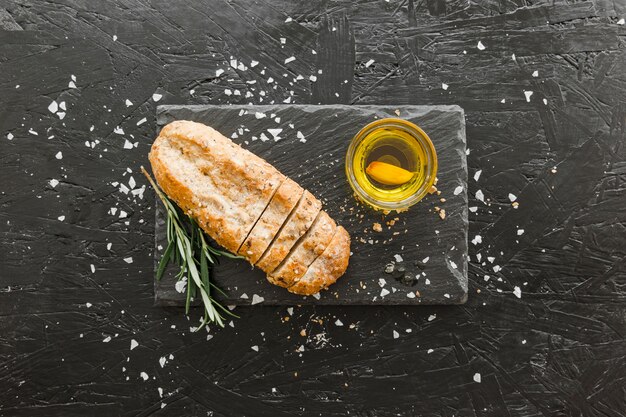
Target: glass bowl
(420, 147)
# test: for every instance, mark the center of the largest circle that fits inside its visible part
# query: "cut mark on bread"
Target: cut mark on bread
(286, 222)
(316, 257)
(260, 215)
(298, 242)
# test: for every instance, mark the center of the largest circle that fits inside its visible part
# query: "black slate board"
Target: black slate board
(318, 165)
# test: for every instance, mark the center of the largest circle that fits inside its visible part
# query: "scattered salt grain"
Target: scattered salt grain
(520, 232)
(156, 97)
(528, 94)
(128, 260)
(93, 268)
(338, 323)
(444, 86)
(53, 183)
(162, 361)
(59, 155)
(144, 376)
(313, 78)
(254, 348)
(477, 377)
(517, 291)
(396, 334)
(384, 292)
(53, 107)
(432, 317)
(398, 258)
(142, 121)
(290, 59)
(368, 63)
(300, 136)
(256, 299)
(88, 305)
(480, 46)
(458, 190)
(219, 72)
(477, 174)
(480, 196)
(128, 103)
(133, 344)
(106, 339)
(61, 218)
(536, 74)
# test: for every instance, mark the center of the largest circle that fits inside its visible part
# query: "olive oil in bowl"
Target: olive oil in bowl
(391, 164)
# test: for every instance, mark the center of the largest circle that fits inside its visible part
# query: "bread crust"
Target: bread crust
(304, 252)
(279, 208)
(327, 268)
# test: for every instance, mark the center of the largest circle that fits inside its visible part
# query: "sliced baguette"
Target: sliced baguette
(327, 268)
(282, 204)
(304, 252)
(247, 206)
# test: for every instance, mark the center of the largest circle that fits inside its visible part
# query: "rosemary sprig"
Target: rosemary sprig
(187, 247)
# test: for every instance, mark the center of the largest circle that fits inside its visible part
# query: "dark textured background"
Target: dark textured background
(65, 332)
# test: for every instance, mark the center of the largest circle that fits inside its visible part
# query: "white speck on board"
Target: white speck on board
(144, 376)
(133, 344)
(219, 72)
(300, 136)
(59, 155)
(128, 260)
(259, 115)
(254, 348)
(162, 361)
(536, 74)
(528, 94)
(396, 334)
(338, 323)
(621, 21)
(181, 285)
(290, 59)
(142, 121)
(53, 183)
(520, 232)
(432, 317)
(88, 305)
(156, 97)
(444, 86)
(368, 63)
(517, 291)
(477, 239)
(106, 339)
(61, 218)
(477, 174)
(93, 268)
(480, 46)
(477, 377)
(480, 196)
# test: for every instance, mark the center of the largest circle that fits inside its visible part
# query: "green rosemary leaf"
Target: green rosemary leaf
(165, 259)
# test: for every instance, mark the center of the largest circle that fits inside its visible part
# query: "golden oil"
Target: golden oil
(399, 143)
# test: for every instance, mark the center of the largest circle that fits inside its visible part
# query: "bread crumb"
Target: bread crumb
(397, 112)
(417, 293)
(443, 200)
(442, 214)
(437, 209)
(377, 227)
(515, 204)
(303, 332)
(436, 180)
(432, 189)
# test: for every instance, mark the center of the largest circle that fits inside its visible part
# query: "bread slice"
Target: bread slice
(223, 186)
(304, 252)
(327, 268)
(282, 204)
(294, 227)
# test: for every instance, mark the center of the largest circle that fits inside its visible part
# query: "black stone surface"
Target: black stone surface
(317, 163)
(559, 350)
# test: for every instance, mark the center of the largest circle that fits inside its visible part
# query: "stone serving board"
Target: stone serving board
(311, 149)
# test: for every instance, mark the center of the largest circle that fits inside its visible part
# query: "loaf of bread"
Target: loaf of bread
(250, 208)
